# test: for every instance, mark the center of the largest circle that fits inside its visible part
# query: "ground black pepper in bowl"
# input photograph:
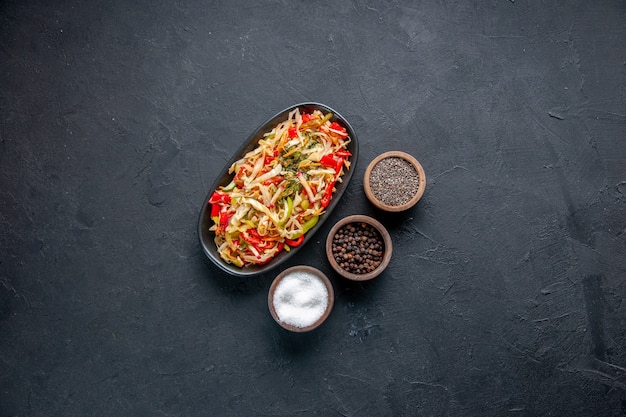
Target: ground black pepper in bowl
(358, 247)
(394, 181)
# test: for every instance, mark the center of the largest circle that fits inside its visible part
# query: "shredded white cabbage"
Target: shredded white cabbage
(280, 188)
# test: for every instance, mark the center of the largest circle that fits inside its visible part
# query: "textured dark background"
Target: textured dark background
(505, 294)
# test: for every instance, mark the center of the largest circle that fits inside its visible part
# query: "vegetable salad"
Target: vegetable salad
(279, 189)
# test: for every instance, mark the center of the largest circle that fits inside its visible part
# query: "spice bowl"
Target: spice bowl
(358, 247)
(394, 181)
(300, 298)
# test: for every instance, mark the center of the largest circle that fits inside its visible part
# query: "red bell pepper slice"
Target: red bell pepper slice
(328, 194)
(277, 250)
(307, 117)
(293, 132)
(338, 167)
(255, 234)
(328, 161)
(296, 242)
(274, 180)
(218, 197)
(224, 219)
(252, 237)
(336, 126)
(340, 130)
(250, 240)
(215, 210)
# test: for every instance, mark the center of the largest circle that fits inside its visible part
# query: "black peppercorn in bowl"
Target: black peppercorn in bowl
(358, 247)
(394, 181)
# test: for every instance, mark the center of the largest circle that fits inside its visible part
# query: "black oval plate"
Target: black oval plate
(207, 237)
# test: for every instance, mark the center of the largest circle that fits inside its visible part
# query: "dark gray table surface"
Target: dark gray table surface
(505, 293)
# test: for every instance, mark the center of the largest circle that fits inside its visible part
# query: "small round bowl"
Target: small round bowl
(307, 286)
(386, 240)
(367, 183)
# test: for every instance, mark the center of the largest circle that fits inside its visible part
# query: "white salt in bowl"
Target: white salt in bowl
(301, 298)
(394, 181)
